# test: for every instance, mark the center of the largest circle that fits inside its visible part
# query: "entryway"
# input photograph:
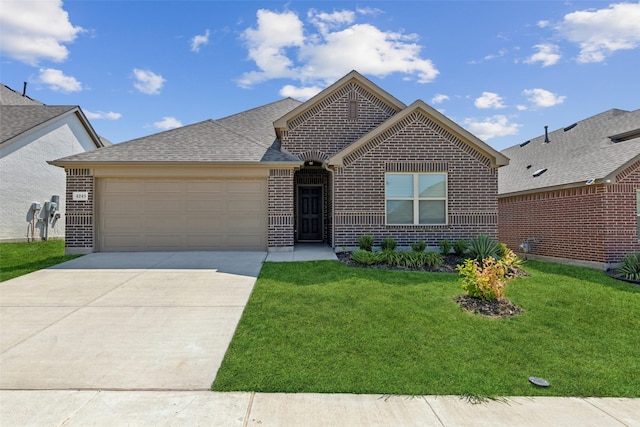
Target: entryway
(312, 204)
(310, 214)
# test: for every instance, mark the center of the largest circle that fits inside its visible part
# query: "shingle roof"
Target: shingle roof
(574, 154)
(18, 119)
(244, 137)
(9, 96)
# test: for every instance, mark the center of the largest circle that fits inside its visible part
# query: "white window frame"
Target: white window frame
(416, 198)
(638, 213)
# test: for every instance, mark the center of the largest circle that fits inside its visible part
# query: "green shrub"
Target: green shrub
(460, 247)
(502, 250)
(365, 257)
(486, 279)
(419, 246)
(630, 267)
(388, 244)
(414, 259)
(365, 242)
(445, 247)
(483, 247)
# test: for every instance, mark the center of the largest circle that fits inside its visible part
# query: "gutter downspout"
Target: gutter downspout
(325, 166)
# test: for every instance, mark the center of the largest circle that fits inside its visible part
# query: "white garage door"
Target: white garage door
(175, 215)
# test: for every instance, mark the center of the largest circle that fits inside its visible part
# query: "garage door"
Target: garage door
(178, 215)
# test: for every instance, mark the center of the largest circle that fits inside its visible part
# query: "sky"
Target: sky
(501, 69)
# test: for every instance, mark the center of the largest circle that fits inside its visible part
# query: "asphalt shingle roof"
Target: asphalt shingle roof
(9, 96)
(582, 152)
(244, 137)
(17, 119)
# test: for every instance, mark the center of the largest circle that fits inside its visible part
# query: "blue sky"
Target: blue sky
(501, 69)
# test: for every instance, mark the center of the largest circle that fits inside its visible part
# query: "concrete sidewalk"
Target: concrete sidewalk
(195, 408)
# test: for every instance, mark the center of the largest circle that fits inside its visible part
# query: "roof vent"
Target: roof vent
(570, 127)
(528, 166)
(539, 172)
(625, 136)
(546, 134)
(525, 143)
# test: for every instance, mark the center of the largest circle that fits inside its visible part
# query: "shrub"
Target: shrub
(365, 257)
(460, 247)
(483, 247)
(388, 244)
(365, 243)
(630, 267)
(511, 260)
(414, 259)
(445, 247)
(486, 280)
(419, 246)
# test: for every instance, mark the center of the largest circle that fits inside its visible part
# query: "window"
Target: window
(418, 199)
(638, 211)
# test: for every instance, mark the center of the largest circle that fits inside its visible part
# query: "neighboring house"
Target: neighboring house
(352, 160)
(573, 195)
(31, 134)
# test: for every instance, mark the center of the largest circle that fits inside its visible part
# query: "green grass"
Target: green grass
(17, 259)
(325, 327)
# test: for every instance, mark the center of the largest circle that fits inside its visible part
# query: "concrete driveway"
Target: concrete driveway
(124, 321)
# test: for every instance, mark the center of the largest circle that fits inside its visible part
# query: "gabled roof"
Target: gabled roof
(17, 121)
(246, 137)
(353, 76)
(9, 96)
(579, 153)
(497, 159)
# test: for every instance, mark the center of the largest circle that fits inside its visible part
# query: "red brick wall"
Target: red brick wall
(592, 223)
(326, 128)
(621, 236)
(79, 223)
(416, 144)
(280, 187)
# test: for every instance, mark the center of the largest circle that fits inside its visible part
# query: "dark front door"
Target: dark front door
(309, 213)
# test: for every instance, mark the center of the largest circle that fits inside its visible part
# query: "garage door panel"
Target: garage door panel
(182, 214)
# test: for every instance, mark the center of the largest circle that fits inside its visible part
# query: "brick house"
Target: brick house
(573, 195)
(352, 160)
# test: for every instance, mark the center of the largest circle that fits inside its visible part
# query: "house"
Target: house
(31, 134)
(573, 195)
(352, 160)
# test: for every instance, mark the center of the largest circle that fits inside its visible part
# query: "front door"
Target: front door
(310, 213)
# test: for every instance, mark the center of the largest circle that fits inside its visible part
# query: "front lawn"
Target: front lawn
(17, 259)
(329, 328)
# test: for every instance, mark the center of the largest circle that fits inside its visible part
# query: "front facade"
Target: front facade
(576, 198)
(31, 135)
(351, 161)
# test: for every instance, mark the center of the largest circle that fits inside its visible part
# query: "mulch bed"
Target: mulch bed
(491, 308)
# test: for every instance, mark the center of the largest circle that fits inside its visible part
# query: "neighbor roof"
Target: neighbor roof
(17, 121)
(581, 152)
(9, 96)
(244, 137)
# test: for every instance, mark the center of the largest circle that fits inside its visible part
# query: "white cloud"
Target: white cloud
(199, 40)
(147, 81)
(543, 98)
(543, 24)
(102, 115)
(489, 100)
(547, 54)
(34, 30)
(167, 123)
(439, 98)
(601, 32)
(301, 93)
(491, 127)
(57, 81)
(282, 47)
(521, 107)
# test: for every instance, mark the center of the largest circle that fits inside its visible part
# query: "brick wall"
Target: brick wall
(280, 188)
(79, 217)
(416, 144)
(595, 223)
(327, 127)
